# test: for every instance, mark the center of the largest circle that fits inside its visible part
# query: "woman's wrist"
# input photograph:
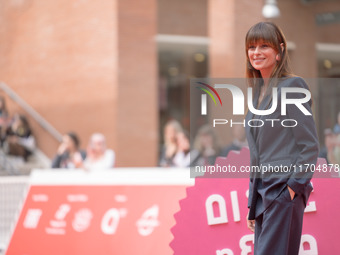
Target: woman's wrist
(291, 192)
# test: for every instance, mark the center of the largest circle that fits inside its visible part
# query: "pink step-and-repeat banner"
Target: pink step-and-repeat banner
(212, 219)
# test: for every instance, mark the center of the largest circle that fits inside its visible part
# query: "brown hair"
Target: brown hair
(3, 109)
(274, 37)
(75, 139)
(209, 131)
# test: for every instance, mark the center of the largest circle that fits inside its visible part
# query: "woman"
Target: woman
(336, 128)
(171, 129)
(19, 140)
(276, 202)
(3, 118)
(3, 108)
(98, 156)
(334, 149)
(206, 147)
(69, 155)
(182, 156)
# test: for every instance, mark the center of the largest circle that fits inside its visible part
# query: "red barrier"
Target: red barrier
(122, 212)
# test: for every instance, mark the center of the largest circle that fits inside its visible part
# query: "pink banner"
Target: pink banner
(212, 219)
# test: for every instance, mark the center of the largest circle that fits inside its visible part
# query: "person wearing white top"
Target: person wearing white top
(182, 156)
(98, 156)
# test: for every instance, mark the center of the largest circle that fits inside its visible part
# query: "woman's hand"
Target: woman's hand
(78, 160)
(171, 150)
(62, 148)
(250, 224)
(291, 192)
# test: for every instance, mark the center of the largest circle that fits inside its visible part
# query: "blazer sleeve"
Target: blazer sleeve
(250, 193)
(56, 161)
(306, 139)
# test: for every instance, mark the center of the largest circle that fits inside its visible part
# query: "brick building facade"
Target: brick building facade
(98, 66)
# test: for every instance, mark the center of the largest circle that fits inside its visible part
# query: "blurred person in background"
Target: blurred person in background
(239, 141)
(328, 148)
(3, 117)
(333, 149)
(171, 129)
(206, 147)
(98, 156)
(3, 109)
(336, 128)
(69, 154)
(19, 140)
(182, 156)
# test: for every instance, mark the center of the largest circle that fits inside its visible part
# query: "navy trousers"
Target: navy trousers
(278, 229)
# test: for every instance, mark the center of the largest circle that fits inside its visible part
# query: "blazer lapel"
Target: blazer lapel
(265, 104)
(254, 131)
(251, 131)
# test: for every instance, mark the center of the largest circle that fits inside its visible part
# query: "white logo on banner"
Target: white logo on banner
(77, 198)
(148, 222)
(40, 198)
(32, 218)
(58, 225)
(82, 220)
(120, 198)
(111, 219)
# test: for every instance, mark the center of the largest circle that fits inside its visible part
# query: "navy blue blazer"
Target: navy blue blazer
(281, 147)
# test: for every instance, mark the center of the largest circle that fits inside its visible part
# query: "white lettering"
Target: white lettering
(252, 120)
(297, 101)
(234, 203)
(220, 121)
(292, 120)
(262, 112)
(313, 247)
(224, 252)
(212, 219)
(246, 249)
(238, 97)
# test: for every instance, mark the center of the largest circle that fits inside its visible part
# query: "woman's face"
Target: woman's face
(69, 142)
(16, 123)
(98, 146)
(262, 57)
(207, 140)
(182, 142)
(169, 134)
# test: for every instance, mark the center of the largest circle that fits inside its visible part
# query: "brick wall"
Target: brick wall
(67, 59)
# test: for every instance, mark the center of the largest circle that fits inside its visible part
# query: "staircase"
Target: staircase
(11, 165)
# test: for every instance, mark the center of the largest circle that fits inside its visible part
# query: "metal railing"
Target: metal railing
(33, 113)
(12, 194)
